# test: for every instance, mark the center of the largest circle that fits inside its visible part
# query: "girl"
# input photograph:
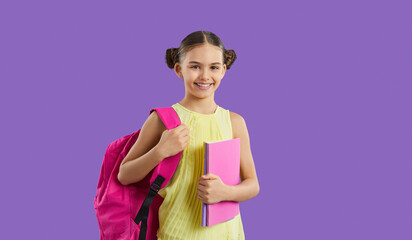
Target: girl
(201, 61)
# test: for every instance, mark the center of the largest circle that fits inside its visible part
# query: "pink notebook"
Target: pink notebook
(222, 158)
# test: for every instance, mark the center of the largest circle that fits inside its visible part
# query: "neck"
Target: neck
(204, 106)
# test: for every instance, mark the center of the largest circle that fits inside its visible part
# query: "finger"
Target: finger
(203, 179)
(179, 128)
(202, 183)
(207, 177)
(182, 126)
(200, 192)
(203, 200)
(201, 197)
(183, 131)
(210, 175)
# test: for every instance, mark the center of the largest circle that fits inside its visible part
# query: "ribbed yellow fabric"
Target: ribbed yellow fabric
(181, 211)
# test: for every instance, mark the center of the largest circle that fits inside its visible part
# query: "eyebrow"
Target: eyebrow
(210, 64)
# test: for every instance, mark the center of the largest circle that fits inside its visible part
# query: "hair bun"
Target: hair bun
(230, 57)
(171, 57)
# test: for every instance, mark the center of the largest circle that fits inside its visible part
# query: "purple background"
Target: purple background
(324, 87)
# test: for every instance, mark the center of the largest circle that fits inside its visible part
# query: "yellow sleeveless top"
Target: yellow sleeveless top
(181, 211)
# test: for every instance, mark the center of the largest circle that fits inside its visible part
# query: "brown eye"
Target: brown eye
(194, 66)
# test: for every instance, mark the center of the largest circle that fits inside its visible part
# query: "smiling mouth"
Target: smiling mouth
(204, 85)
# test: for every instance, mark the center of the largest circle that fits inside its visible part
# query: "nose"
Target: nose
(205, 74)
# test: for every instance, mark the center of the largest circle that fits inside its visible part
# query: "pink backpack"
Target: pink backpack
(131, 212)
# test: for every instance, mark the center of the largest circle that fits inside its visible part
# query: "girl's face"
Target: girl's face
(202, 70)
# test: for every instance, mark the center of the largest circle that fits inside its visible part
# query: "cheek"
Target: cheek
(191, 74)
(217, 83)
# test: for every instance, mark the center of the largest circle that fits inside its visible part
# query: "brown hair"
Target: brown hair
(174, 55)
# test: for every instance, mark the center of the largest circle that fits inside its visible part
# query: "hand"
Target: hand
(173, 141)
(211, 189)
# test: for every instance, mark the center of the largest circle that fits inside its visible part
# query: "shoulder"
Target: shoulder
(155, 122)
(238, 124)
(149, 136)
(234, 117)
(153, 126)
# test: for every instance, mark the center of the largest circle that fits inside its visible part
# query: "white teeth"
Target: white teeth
(203, 85)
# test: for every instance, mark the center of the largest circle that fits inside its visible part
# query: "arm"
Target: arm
(144, 154)
(211, 189)
(249, 187)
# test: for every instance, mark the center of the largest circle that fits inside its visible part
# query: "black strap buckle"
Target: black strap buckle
(144, 209)
(157, 183)
(143, 213)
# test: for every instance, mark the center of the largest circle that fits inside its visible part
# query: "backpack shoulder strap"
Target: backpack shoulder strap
(162, 173)
(166, 168)
(169, 116)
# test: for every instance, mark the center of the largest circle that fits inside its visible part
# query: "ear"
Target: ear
(178, 70)
(224, 70)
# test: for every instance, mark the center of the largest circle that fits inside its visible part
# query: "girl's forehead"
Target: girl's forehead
(204, 54)
(206, 48)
